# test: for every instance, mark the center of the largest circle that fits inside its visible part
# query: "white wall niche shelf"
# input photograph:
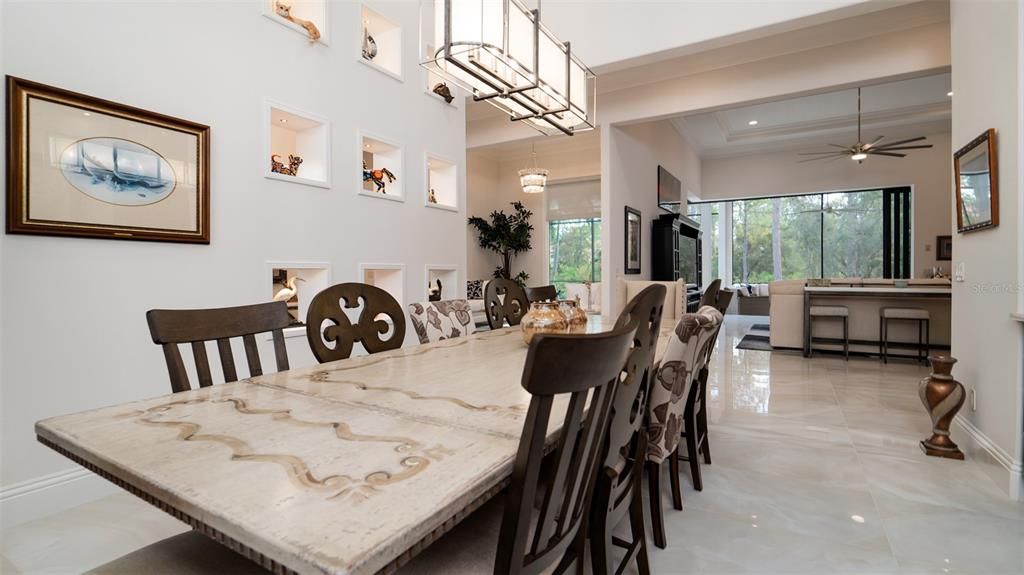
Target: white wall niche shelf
(316, 11)
(289, 131)
(387, 36)
(449, 276)
(442, 176)
(433, 79)
(388, 277)
(312, 278)
(376, 153)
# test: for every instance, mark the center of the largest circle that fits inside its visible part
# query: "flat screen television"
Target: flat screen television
(670, 192)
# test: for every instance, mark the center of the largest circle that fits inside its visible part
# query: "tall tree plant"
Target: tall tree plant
(507, 235)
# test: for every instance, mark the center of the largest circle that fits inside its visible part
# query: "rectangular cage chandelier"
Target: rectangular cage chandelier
(500, 52)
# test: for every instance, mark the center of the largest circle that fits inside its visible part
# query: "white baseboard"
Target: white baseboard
(1001, 466)
(49, 494)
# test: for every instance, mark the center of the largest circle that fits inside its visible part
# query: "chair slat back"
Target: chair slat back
(541, 293)
(335, 340)
(511, 309)
(710, 295)
(170, 327)
(582, 367)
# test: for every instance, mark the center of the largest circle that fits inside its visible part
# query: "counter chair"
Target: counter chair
(921, 316)
(831, 311)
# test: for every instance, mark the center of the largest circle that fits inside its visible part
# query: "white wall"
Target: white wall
(74, 334)
(667, 25)
(987, 72)
(781, 173)
(485, 194)
(629, 177)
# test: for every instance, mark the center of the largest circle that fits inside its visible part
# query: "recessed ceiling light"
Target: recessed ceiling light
(949, 93)
(752, 123)
(283, 120)
(86, 113)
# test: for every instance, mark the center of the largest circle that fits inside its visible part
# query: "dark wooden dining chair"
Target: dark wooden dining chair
(334, 341)
(710, 295)
(504, 302)
(541, 293)
(540, 528)
(618, 488)
(172, 327)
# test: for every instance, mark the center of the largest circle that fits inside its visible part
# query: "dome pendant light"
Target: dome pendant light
(533, 179)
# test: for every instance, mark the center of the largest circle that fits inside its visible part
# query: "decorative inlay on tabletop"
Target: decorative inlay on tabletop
(319, 486)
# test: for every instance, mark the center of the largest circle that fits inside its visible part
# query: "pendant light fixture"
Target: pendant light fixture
(499, 51)
(533, 180)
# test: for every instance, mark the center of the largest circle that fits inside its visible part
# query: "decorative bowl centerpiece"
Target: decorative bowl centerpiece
(574, 314)
(543, 317)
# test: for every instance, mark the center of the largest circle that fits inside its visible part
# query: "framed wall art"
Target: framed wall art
(82, 166)
(944, 248)
(633, 233)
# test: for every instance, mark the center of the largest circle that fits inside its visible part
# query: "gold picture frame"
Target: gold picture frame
(86, 167)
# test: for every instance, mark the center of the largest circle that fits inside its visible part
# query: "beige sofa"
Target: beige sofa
(787, 314)
(675, 297)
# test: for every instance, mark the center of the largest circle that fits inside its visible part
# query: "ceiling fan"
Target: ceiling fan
(860, 151)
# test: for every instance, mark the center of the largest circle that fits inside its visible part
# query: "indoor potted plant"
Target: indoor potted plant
(508, 236)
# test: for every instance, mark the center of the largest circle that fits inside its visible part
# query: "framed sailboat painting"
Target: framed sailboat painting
(82, 166)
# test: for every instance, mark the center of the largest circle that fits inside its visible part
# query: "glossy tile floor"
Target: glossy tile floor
(816, 469)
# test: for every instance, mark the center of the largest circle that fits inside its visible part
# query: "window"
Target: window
(838, 234)
(574, 252)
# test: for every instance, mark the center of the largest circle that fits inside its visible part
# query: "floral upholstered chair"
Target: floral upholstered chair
(437, 320)
(674, 377)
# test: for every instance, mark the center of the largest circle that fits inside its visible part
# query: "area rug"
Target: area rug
(756, 339)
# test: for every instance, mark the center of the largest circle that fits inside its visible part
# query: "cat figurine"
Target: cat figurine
(284, 10)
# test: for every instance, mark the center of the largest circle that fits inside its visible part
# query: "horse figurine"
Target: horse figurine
(377, 177)
(292, 169)
(284, 10)
(434, 294)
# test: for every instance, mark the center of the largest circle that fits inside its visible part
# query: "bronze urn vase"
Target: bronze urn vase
(943, 397)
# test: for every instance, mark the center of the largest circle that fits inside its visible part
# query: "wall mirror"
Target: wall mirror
(977, 188)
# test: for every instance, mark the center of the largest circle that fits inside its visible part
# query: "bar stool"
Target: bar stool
(832, 311)
(919, 315)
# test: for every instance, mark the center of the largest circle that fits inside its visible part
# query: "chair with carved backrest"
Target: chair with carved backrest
(673, 379)
(540, 528)
(504, 302)
(710, 295)
(171, 327)
(541, 293)
(329, 307)
(617, 490)
(438, 320)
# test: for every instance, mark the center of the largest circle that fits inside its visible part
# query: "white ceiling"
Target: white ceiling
(907, 108)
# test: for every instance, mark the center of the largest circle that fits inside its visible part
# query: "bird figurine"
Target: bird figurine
(289, 290)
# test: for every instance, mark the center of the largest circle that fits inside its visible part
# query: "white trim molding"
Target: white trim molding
(49, 494)
(1006, 471)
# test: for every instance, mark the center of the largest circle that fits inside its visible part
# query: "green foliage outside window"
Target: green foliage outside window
(574, 254)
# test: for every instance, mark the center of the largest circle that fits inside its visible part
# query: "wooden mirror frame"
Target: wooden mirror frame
(988, 136)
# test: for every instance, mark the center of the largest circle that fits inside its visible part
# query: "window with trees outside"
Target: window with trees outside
(837, 234)
(574, 252)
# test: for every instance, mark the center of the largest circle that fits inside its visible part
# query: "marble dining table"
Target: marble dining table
(347, 467)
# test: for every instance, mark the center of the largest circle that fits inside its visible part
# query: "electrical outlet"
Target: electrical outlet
(974, 398)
